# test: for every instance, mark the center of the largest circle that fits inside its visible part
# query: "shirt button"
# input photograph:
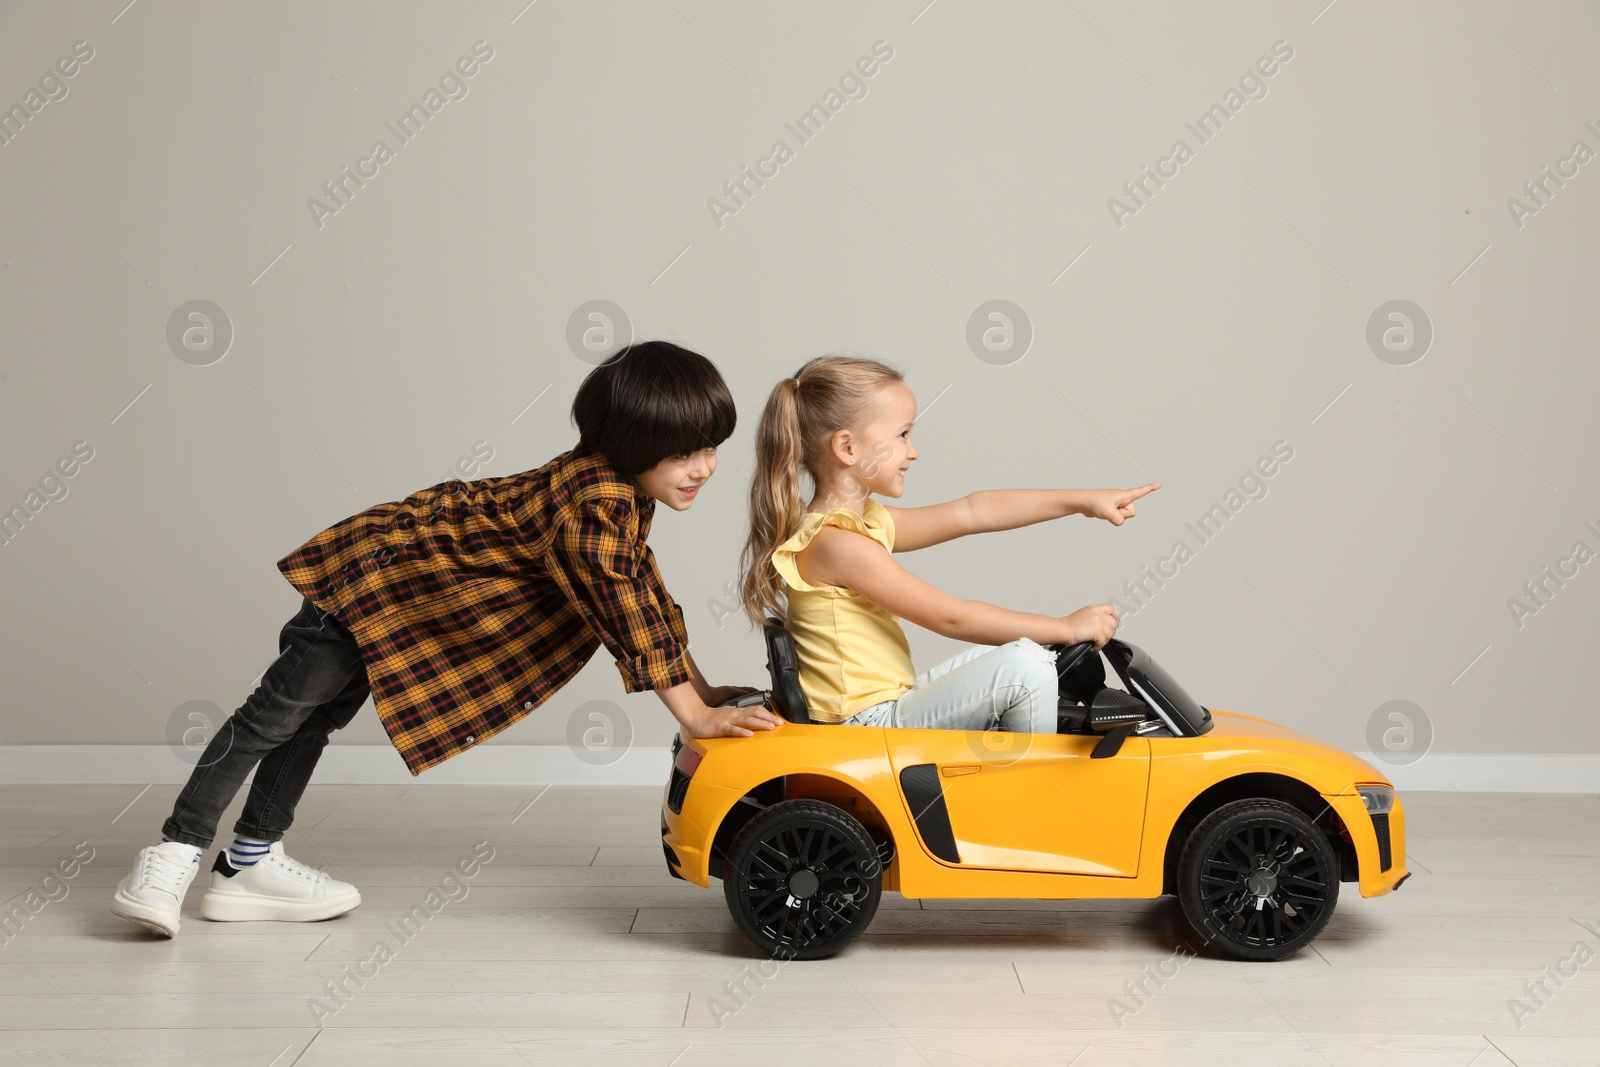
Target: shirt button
(527, 705)
(470, 739)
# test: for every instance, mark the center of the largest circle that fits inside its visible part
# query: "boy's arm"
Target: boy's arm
(610, 578)
(1007, 509)
(714, 694)
(701, 720)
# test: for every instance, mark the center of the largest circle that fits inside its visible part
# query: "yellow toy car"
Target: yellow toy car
(1142, 792)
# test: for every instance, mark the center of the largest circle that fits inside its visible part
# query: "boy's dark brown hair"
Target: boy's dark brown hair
(651, 400)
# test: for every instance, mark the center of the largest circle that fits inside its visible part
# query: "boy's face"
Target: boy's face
(676, 480)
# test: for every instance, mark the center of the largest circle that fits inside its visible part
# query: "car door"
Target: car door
(1024, 802)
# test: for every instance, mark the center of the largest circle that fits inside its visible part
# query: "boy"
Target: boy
(459, 609)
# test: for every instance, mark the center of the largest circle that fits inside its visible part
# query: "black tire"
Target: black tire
(1258, 880)
(803, 879)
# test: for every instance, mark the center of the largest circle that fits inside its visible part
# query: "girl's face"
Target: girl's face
(879, 453)
(676, 480)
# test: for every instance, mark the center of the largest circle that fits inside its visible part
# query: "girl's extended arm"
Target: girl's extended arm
(1007, 509)
(849, 560)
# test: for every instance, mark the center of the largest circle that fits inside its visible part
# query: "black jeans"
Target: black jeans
(314, 687)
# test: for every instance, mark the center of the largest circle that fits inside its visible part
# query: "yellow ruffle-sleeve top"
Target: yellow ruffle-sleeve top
(853, 654)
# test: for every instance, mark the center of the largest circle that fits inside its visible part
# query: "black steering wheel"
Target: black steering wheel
(1080, 672)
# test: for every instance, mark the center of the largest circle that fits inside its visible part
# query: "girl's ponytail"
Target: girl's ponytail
(775, 503)
(829, 393)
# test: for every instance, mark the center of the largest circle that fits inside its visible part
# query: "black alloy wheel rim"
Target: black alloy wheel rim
(1264, 886)
(803, 884)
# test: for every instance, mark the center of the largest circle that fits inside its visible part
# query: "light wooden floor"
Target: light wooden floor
(573, 946)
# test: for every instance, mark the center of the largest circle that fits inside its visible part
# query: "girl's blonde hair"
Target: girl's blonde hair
(828, 394)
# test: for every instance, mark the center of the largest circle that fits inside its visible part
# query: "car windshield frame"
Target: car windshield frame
(1147, 679)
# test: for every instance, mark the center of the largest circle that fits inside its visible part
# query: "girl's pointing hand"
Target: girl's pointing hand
(1115, 505)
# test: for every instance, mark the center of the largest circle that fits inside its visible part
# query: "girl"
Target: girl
(847, 422)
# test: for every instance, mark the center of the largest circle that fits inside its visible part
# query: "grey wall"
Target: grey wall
(374, 347)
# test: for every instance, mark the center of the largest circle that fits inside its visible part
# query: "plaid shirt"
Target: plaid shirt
(473, 602)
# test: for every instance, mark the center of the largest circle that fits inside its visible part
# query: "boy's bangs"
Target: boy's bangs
(694, 421)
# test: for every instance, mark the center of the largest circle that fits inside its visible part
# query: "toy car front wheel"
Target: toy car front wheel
(803, 879)
(1258, 880)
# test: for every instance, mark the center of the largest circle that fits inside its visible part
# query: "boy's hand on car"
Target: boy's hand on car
(1115, 505)
(1096, 623)
(721, 694)
(732, 722)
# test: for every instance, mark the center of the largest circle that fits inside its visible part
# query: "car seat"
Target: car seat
(787, 696)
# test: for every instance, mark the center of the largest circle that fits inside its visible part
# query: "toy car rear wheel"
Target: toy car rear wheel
(803, 879)
(1258, 880)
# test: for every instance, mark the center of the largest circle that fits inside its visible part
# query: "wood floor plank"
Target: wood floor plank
(163, 1047)
(356, 1046)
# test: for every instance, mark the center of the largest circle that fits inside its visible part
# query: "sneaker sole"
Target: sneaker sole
(228, 908)
(152, 919)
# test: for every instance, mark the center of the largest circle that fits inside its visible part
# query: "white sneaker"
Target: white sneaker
(276, 887)
(152, 895)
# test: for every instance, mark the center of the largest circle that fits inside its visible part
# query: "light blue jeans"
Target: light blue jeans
(987, 687)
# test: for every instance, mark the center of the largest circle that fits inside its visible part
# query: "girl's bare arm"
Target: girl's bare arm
(850, 560)
(1007, 509)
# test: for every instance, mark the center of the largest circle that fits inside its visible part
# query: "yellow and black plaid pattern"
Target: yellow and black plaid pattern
(473, 602)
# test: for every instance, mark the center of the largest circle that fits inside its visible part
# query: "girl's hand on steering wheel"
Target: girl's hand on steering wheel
(1096, 624)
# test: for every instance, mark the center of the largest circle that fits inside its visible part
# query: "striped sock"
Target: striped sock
(247, 851)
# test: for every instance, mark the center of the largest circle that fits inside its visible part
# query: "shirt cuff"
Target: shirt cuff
(656, 669)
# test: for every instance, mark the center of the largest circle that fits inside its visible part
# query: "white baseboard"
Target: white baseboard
(1473, 772)
(340, 765)
(557, 765)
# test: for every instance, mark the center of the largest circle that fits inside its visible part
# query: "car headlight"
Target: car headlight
(1379, 799)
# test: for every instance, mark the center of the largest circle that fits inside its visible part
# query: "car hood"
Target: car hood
(1232, 732)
